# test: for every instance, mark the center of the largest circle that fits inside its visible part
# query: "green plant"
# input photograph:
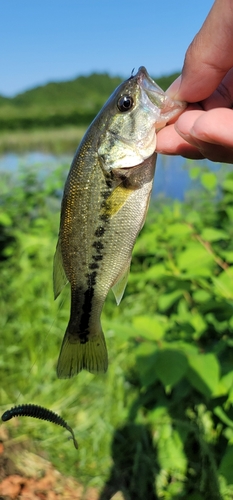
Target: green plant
(179, 303)
(160, 423)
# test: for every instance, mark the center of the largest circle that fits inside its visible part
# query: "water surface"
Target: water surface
(171, 178)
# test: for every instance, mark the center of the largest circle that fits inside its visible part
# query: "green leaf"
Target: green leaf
(149, 327)
(171, 450)
(228, 185)
(194, 257)
(222, 415)
(209, 180)
(146, 357)
(203, 373)
(171, 365)
(167, 300)
(121, 330)
(227, 255)
(224, 283)
(5, 219)
(193, 217)
(154, 272)
(226, 465)
(227, 380)
(198, 323)
(212, 234)
(201, 296)
(178, 229)
(194, 172)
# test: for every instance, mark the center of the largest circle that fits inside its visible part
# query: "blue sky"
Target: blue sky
(52, 40)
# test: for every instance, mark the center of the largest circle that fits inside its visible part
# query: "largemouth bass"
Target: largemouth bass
(104, 206)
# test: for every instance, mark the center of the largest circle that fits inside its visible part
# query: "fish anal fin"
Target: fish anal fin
(59, 276)
(119, 287)
(76, 356)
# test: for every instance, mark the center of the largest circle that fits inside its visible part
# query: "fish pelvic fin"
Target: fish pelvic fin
(75, 355)
(119, 287)
(116, 200)
(59, 276)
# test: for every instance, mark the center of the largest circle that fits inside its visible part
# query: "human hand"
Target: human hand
(205, 129)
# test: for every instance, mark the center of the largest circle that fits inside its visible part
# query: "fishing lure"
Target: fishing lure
(35, 411)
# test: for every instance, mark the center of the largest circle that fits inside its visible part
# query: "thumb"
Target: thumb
(209, 57)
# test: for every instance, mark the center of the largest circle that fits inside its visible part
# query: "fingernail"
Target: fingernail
(172, 91)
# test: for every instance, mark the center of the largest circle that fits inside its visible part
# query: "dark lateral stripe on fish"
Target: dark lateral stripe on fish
(108, 179)
(93, 266)
(105, 194)
(99, 231)
(87, 307)
(109, 207)
(91, 281)
(98, 246)
(104, 216)
(97, 257)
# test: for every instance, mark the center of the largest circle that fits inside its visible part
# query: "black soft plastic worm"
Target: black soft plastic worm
(36, 411)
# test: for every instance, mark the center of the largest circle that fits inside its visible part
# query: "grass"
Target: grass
(54, 140)
(94, 406)
(33, 325)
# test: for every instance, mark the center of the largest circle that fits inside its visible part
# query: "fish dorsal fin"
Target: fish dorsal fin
(119, 287)
(59, 276)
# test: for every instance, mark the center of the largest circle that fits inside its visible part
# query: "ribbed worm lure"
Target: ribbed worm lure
(35, 411)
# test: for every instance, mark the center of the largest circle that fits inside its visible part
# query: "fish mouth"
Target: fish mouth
(168, 107)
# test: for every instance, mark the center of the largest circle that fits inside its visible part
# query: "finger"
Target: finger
(214, 126)
(215, 153)
(223, 95)
(210, 55)
(169, 142)
(210, 132)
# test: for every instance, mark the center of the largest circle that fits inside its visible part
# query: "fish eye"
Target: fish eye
(125, 103)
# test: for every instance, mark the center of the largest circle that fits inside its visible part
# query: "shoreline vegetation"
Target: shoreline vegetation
(159, 423)
(56, 141)
(53, 118)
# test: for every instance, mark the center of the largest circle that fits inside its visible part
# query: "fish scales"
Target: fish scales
(104, 206)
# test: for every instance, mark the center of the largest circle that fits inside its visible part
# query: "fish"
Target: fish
(104, 206)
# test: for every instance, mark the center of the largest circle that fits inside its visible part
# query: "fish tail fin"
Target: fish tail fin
(75, 355)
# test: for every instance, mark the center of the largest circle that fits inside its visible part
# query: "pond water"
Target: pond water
(171, 178)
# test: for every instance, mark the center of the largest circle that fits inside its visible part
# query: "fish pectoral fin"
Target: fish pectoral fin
(76, 355)
(116, 200)
(59, 276)
(119, 287)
